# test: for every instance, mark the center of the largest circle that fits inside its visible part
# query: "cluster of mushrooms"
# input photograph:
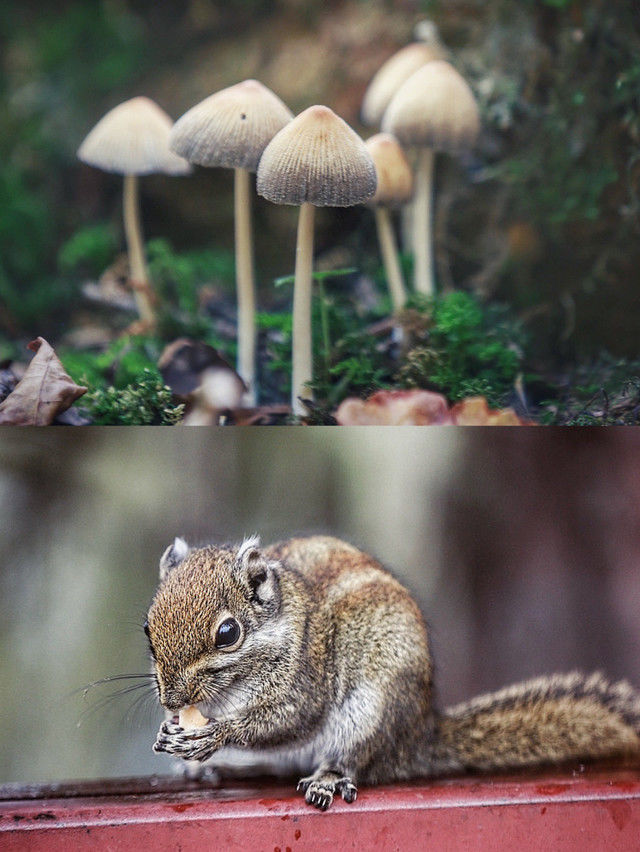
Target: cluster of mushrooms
(315, 159)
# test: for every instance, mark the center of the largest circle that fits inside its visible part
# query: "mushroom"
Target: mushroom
(388, 79)
(133, 139)
(395, 186)
(434, 110)
(231, 129)
(316, 160)
(390, 76)
(220, 390)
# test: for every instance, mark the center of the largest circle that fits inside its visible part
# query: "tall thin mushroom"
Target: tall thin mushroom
(395, 186)
(315, 161)
(132, 139)
(434, 110)
(392, 74)
(231, 129)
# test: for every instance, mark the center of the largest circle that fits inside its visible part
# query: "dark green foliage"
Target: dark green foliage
(603, 393)
(119, 365)
(458, 346)
(178, 278)
(125, 386)
(60, 58)
(466, 349)
(276, 330)
(569, 146)
(91, 47)
(346, 358)
(146, 402)
(89, 251)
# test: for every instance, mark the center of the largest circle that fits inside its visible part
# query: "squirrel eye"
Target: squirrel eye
(145, 627)
(227, 633)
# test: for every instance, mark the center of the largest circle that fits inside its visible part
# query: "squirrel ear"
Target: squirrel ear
(172, 557)
(258, 573)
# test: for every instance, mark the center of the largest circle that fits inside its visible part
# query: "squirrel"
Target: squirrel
(309, 657)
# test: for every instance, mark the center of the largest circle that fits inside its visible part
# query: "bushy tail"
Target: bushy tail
(547, 720)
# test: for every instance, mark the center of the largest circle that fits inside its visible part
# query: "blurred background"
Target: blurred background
(522, 547)
(545, 214)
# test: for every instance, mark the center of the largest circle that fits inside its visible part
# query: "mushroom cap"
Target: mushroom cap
(317, 158)
(230, 128)
(395, 178)
(392, 75)
(435, 108)
(133, 139)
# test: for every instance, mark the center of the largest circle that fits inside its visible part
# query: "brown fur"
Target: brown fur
(333, 676)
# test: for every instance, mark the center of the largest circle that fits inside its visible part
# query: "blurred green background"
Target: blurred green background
(522, 546)
(544, 215)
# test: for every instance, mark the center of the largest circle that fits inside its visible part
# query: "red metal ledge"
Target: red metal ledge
(597, 809)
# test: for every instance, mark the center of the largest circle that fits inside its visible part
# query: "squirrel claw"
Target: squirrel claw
(319, 795)
(347, 790)
(319, 791)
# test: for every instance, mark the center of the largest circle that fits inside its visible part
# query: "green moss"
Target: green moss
(146, 402)
(465, 349)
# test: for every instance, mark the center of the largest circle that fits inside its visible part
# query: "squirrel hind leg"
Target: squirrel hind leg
(320, 788)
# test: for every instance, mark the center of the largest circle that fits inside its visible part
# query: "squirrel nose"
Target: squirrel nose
(174, 697)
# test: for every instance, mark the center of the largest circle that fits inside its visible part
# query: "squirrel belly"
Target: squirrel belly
(308, 656)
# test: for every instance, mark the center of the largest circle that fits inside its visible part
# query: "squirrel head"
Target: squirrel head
(214, 618)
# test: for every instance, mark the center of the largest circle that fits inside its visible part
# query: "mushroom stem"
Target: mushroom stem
(389, 251)
(422, 239)
(302, 357)
(138, 275)
(245, 283)
(406, 226)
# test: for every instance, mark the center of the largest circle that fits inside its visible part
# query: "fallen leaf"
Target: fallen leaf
(422, 408)
(395, 408)
(475, 411)
(44, 391)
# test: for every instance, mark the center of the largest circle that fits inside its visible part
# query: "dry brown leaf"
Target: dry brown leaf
(395, 408)
(422, 408)
(44, 391)
(475, 411)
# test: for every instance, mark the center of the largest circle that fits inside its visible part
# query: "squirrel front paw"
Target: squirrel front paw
(319, 789)
(188, 743)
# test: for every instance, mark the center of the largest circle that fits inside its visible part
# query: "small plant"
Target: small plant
(90, 250)
(147, 402)
(277, 329)
(178, 275)
(464, 349)
(347, 359)
(178, 278)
